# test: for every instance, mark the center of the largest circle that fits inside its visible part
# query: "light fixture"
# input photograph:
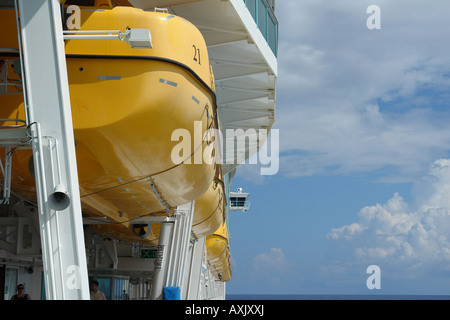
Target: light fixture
(139, 230)
(136, 38)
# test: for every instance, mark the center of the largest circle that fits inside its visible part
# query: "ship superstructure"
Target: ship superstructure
(119, 125)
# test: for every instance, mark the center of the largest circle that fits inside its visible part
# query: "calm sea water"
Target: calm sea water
(333, 297)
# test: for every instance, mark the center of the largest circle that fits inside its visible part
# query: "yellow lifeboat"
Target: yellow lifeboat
(209, 212)
(218, 253)
(126, 104)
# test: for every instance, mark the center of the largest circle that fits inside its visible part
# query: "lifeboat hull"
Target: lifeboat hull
(218, 253)
(209, 212)
(126, 104)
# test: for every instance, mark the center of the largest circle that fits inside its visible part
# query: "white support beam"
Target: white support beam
(151, 220)
(180, 245)
(111, 248)
(245, 127)
(14, 137)
(238, 63)
(192, 288)
(172, 256)
(240, 76)
(238, 101)
(221, 29)
(224, 87)
(48, 107)
(260, 112)
(229, 123)
(161, 261)
(227, 43)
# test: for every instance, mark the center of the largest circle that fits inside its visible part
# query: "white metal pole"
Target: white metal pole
(189, 214)
(161, 261)
(48, 107)
(192, 288)
(180, 245)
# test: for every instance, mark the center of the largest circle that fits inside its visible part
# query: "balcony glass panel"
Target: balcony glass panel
(266, 21)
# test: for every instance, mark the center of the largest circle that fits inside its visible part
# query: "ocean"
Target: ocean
(290, 297)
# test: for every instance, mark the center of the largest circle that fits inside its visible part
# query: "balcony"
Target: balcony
(262, 13)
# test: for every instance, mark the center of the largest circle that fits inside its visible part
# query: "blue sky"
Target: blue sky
(363, 117)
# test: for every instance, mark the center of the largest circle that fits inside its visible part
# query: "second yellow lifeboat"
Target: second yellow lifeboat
(218, 253)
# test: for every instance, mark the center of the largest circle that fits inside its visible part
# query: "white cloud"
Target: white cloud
(351, 99)
(407, 239)
(272, 266)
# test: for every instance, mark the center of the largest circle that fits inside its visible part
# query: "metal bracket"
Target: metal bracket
(136, 38)
(151, 220)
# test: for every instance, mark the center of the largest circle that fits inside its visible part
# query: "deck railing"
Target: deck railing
(266, 21)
